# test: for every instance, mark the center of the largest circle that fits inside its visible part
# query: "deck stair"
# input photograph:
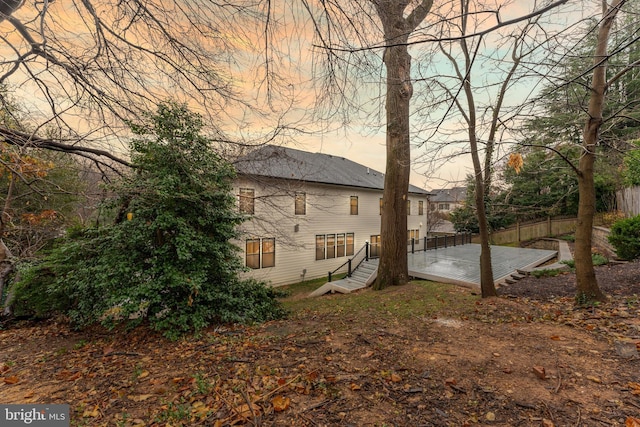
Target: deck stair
(513, 278)
(361, 277)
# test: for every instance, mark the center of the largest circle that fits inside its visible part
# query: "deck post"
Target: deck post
(425, 243)
(436, 242)
(349, 273)
(366, 250)
(329, 277)
(413, 245)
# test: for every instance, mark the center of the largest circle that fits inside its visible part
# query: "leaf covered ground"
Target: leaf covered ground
(424, 354)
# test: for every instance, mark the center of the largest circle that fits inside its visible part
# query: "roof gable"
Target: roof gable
(451, 195)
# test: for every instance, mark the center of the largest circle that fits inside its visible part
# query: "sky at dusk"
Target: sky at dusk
(366, 144)
(359, 134)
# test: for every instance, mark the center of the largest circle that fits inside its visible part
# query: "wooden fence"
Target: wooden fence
(522, 232)
(628, 201)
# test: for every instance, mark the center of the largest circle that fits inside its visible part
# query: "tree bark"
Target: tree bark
(393, 267)
(487, 285)
(587, 289)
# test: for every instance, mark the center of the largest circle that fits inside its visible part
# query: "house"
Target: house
(309, 212)
(447, 199)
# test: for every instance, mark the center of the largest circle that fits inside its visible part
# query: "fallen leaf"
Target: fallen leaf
(200, 410)
(246, 411)
(539, 371)
(555, 337)
(143, 374)
(355, 387)
(594, 379)
(450, 381)
(11, 380)
(632, 422)
(280, 403)
(88, 413)
(490, 416)
(140, 397)
(547, 423)
(367, 354)
(395, 378)
(635, 388)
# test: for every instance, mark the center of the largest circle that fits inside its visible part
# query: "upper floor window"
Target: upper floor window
(301, 204)
(354, 205)
(408, 207)
(443, 206)
(247, 201)
(420, 207)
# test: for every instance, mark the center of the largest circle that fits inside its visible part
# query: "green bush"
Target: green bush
(625, 237)
(168, 258)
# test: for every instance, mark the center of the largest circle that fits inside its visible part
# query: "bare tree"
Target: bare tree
(586, 283)
(482, 107)
(86, 68)
(393, 268)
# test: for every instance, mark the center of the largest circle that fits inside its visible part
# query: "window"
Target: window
(261, 253)
(253, 253)
(374, 246)
(443, 207)
(301, 204)
(268, 253)
(331, 246)
(340, 245)
(433, 206)
(247, 200)
(408, 207)
(350, 243)
(320, 246)
(354, 205)
(420, 207)
(413, 234)
(381, 204)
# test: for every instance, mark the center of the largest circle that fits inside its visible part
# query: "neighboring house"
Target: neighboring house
(310, 212)
(447, 199)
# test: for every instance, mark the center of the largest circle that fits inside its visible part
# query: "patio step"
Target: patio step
(360, 278)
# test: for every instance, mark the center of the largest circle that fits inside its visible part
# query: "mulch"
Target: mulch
(615, 279)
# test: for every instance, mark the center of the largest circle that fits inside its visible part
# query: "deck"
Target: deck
(460, 265)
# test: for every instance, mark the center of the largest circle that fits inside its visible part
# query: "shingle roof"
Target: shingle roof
(289, 163)
(456, 194)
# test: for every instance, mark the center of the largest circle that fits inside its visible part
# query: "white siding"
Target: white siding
(327, 212)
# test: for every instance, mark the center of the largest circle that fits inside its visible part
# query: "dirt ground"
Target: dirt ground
(527, 358)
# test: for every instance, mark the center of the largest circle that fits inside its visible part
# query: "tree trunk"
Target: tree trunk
(587, 289)
(393, 267)
(487, 285)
